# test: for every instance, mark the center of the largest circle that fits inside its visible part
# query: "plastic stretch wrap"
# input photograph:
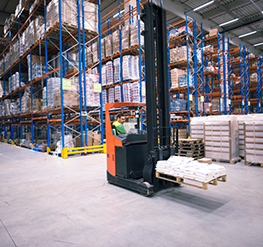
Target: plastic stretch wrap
(95, 52)
(102, 48)
(108, 45)
(68, 13)
(183, 80)
(179, 54)
(125, 37)
(68, 142)
(221, 137)
(92, 98)
(116, 42)
(127, 94)
(109, 73)
(1, 89)
(253, 141)
(1, 67)
(175, 73)
(178, 105)
(104, 97)
(117, 93)
(103, 75)
(134, 37)
(90, 16)
(241, 120)
(117, 70)
(130, 68)
(39, 28)
(111, 95)
(7, 104)
(89, 56)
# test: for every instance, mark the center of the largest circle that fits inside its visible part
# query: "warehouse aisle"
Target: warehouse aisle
(47, 201)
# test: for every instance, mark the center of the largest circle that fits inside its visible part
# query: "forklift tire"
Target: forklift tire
(148, 192)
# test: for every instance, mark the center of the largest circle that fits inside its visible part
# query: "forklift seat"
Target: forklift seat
(114, 131)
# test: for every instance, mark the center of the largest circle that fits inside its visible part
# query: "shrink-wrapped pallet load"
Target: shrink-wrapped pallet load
(116, 42)
(175, 73)
(127, 96)
(92, 98)
(109, 73)
(221, 138)
(68, 13)
(108, 45)
(125, 37)
(111, 95)
(117, 93)
(253, 139)
(90, 16)
(241, 120)
(95, 53)
(103, 75)
(117, 70)
(134, 35)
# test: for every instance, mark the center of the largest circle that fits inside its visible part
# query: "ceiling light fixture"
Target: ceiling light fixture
(258, 44)
(247, 34)
(204, 5)
(228, 22)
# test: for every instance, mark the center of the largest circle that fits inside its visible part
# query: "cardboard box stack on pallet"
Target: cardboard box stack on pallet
(220, 134)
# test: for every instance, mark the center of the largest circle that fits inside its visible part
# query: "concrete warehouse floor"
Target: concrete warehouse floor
(48, 201)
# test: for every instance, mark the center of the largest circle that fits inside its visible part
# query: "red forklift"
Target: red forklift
(132, 158)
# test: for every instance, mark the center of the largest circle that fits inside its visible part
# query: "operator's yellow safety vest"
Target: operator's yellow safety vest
(116, 124)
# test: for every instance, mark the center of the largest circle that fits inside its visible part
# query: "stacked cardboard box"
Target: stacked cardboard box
(241, 132)
(95, 52)
(127, 96)
(68, 13)
(93, 138)
(117, 93)
(134, 37)
(103, 48)
(117, 70)
(178, 105)
(111, 95)
(125, 37)
(253, 136)
(108, 45)
(179, 54)
(109, 73)
(116, 42)
(175, 73)
(221, 138)
(90, 16)
(92, 98)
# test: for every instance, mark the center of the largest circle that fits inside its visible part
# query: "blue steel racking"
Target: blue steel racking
(26, 120)
(192, 39)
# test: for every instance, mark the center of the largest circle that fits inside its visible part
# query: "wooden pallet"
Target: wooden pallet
(190, 141)
(233, 161)
(254, 164)
(190, 151)
(195, 156)
(198, 184)
(191, 145)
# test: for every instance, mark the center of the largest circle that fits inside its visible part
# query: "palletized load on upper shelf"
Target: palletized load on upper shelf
(69, 10)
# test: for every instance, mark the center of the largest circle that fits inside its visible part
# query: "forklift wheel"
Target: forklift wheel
(148, 191)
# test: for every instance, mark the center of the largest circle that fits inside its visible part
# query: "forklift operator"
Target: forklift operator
(119, 124)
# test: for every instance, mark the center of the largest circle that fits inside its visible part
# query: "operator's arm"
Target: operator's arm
(120, 129)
